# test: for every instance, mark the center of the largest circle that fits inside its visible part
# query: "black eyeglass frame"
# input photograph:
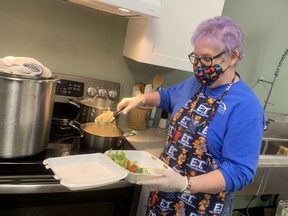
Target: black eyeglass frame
(199, 59)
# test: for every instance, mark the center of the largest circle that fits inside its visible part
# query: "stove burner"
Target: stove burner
(64, 134)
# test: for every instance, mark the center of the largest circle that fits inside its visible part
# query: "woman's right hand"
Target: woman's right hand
(130, 103)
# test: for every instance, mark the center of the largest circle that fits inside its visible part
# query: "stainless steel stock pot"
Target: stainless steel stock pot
(25, 114)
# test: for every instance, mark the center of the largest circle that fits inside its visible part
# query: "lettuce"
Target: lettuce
(120, 158)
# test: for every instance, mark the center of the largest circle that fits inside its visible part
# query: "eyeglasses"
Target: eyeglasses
(205, 61)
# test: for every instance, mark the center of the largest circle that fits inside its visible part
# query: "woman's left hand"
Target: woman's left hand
(168, 181)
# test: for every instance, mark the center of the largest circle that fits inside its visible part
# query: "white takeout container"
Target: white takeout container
(84, 171)
(78, 172)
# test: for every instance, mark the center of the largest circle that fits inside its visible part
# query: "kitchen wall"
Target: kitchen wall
(73, 40)
(80, 41)
(266, 32)
(65, 38)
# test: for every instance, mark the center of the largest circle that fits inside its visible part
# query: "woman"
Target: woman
(220, 121)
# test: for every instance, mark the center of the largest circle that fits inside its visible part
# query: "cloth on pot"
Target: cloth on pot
(24, 66)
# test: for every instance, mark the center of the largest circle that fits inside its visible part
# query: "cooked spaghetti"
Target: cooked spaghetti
(105, 126)
(105, 119)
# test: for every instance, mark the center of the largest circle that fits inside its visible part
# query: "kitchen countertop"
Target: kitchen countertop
(151, 140)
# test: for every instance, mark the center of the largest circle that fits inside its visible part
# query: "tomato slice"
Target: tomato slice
(127, 163)
(133, 168)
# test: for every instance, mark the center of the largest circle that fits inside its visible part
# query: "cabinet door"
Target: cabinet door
(165, 41)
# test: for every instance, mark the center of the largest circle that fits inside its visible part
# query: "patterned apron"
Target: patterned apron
(186, 151)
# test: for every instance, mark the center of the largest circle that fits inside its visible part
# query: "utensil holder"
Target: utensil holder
(138, 118)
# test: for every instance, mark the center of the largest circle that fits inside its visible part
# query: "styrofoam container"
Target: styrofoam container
(144, 160)
(78, 172)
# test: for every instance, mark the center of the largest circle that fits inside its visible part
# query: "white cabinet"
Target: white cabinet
(165, 41)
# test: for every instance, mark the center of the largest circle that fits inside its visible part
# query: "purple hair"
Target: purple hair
(220, 30)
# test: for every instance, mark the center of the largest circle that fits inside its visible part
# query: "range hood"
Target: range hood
(124, 8)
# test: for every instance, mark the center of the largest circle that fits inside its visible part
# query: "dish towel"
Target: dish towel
(24, 66)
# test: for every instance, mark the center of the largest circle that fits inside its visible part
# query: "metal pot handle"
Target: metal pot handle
(74, 101)
(124, 135)
(72, 124)
(129, 133)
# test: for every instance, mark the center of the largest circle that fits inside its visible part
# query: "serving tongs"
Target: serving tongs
(116, 114)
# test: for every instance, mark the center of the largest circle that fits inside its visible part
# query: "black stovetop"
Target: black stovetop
(32, 167)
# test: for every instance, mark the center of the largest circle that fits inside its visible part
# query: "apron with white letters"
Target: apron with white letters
(186, 152)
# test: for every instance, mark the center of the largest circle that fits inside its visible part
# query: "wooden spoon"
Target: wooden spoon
(157, 82)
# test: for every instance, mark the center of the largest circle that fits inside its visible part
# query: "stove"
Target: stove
(65, 135)
(27, 186)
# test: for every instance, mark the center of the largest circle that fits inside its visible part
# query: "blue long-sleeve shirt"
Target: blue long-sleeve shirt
(235, 133)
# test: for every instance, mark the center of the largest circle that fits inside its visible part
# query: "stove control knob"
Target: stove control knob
(91, 92)
(102, 93)
(112, 94)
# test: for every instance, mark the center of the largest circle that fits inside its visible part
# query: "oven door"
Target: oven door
(115, 202)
